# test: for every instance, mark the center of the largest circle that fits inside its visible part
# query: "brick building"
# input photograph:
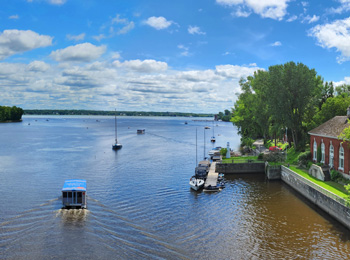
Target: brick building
(334, 152)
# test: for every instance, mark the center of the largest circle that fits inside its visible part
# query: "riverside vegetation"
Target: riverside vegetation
(10, 114)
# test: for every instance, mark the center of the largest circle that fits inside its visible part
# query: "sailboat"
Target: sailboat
(117, 145)
(197, 181)
(212, 139)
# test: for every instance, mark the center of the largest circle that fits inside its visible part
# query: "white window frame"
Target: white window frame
(341, 158)
(323, 151)
(331, 155)
(315, 150)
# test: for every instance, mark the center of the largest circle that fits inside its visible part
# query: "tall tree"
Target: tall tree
(294, 95)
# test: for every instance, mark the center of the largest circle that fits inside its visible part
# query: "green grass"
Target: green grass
(241, 159)
(331, 186)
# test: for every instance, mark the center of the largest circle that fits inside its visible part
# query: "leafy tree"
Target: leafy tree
(294, 90)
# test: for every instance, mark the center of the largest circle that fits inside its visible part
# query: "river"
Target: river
(140, 205)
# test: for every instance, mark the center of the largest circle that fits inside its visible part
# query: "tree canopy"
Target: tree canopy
(284, 97)
(10, 113)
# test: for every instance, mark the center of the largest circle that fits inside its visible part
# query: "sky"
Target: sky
(161, 55)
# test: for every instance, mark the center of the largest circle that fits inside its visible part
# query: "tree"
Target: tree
(295, 91)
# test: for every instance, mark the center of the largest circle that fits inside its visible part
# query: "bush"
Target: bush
(304, 158)
(223, 152)
(309, 163)
(274, 157)
(336, 176)
(260, 156)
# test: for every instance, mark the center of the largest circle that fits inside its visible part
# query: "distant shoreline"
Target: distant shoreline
(11, 121)
(110, 113)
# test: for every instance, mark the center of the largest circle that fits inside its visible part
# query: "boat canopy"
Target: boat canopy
(74, 185)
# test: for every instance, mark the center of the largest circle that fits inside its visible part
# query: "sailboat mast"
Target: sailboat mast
(115, 125)
(196, 147)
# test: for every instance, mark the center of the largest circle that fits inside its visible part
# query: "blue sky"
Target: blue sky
(153, 55)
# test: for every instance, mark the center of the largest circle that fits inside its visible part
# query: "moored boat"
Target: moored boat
(196, 183)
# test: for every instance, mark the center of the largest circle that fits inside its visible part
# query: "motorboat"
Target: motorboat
(74, 194)
(196, 183)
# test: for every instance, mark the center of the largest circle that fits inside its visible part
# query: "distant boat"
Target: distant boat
(186, 123)
(117, 145)
(141, 131)
(207, 127)
(197, 181)
(212, 139)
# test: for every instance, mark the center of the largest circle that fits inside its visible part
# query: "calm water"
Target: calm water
(140, 205)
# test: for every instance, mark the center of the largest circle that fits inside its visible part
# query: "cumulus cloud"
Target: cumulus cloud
(185, 50)
(274, 9)
(234, 71)
(146, 66)
(76, 38)
(84, 52)
(18, 41)
(99, 85)
(158, 23)
(334, 35)
(38, 66)
(195, 30)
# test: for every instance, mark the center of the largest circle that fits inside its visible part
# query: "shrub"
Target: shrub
(274, 157)
(319, 155)
(260, 156)
(304, 158)
(309, 163)
(223, 151)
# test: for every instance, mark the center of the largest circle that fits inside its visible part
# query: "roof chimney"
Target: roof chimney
(348, 112)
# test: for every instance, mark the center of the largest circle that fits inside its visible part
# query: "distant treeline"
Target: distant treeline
(110, 113)
(10, 113)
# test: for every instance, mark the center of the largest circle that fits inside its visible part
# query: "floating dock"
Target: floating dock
(212, 177)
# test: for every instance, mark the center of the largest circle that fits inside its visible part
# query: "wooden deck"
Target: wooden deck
(212, 177)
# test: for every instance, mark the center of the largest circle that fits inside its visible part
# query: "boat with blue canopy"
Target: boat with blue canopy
(74, 194)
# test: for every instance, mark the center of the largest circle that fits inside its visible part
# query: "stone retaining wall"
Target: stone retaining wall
(231, 168)
(329, 202)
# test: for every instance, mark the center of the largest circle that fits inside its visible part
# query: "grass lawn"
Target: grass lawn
(241, 159)
(331, 186)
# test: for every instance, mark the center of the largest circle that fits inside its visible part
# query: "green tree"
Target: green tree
(295, 92)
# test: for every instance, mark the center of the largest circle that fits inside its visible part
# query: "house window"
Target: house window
(315, 150)
(323, 149)
(331, 155)
(341, 158)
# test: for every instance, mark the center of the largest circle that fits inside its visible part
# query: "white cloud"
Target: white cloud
(100, 85)
(344, 7)
(17, 41)
(78, 37)
(277, 43)
(185, 50)
(195, 30)
(99, 37)
(274, 9)
(239, 12)
(38, 66)
(158, 23)
(127, 25)
(84, 52)
(146, 66)
(334, 35)
(14, 17)
(234, 71)
(309, 19)
(53, 2)
(292, 18)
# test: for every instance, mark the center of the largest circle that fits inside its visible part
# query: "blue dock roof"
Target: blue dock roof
(76, 184)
